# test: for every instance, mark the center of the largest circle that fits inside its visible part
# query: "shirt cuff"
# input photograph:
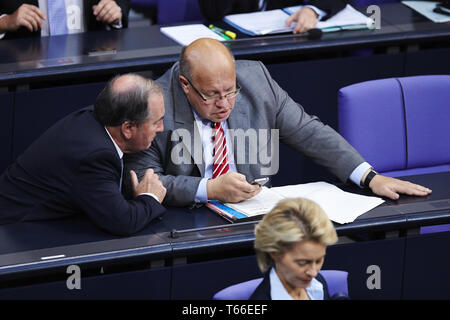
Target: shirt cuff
(2, 34)
(117, 25)
(358, 173)
(319, 12)
(151, 195)
(202, 195)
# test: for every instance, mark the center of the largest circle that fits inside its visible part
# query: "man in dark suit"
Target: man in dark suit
(24, 18)
(76, 166)
(305, 18)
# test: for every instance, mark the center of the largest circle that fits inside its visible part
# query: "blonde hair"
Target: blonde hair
(291, 221)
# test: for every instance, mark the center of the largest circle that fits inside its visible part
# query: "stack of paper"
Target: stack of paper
(340, 206)
(273, 21)
(185, 34)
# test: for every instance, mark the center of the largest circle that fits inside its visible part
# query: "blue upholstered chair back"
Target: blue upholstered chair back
(336, 281)
(173, 11)
(399, 125)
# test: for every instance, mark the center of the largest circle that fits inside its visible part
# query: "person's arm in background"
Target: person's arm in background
(307, 17)
(112, 12)
(331, 7)
(215, 10)
(27, 16)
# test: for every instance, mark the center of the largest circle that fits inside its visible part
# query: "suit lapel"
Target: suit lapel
(240, 119)
(184, 120)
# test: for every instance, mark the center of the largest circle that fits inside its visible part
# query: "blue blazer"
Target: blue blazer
(262, 292)
(73, 168)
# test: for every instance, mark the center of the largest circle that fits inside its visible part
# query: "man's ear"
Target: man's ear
(128, 130)
(184, 84)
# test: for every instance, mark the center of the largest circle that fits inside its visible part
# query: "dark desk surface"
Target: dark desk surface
(24, 61)
(26, 247)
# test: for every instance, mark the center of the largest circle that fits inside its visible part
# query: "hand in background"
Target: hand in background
(231, 187)
(150, 183)
(26, 15)
(306, 19)
(107, 11)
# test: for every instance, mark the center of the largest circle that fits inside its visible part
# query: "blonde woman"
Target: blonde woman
(290, 245)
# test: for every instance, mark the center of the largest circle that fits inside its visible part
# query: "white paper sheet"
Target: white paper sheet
(340, 206)
(186, 34)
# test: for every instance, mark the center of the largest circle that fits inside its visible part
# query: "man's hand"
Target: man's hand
(306, 19)
(26, 15)
(150, 183)
(392, 188)
(231, 187)
(107, 11)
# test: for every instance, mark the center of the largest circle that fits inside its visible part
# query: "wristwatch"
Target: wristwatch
(369, 177)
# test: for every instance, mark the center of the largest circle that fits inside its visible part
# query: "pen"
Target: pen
(228, 35)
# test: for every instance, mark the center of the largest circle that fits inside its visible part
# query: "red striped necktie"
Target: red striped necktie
(220, 165)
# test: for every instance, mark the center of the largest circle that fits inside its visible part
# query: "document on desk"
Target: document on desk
(273, 21)
(186, 34)
(426, 8)
(340, 206)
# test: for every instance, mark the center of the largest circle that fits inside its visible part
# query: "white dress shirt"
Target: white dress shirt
(120, 153)
(279, 292)
(206, 133)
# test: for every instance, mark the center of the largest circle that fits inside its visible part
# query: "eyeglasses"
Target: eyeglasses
(215, 98)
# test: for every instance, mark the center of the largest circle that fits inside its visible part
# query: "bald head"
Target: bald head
(126, 83)
(125, 98)
(208, 79)
(206, 58)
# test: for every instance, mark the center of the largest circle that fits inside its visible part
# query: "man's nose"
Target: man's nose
(222, 102)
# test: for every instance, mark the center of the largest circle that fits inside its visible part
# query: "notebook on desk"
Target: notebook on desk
(273, 21)
(185, 34)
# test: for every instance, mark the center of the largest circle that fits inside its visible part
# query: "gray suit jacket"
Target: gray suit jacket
(176, 154)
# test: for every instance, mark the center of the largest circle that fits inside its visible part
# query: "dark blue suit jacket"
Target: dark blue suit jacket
(73, 168)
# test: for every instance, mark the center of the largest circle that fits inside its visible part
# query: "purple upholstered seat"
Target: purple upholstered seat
(336, 281)
(399, 125)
